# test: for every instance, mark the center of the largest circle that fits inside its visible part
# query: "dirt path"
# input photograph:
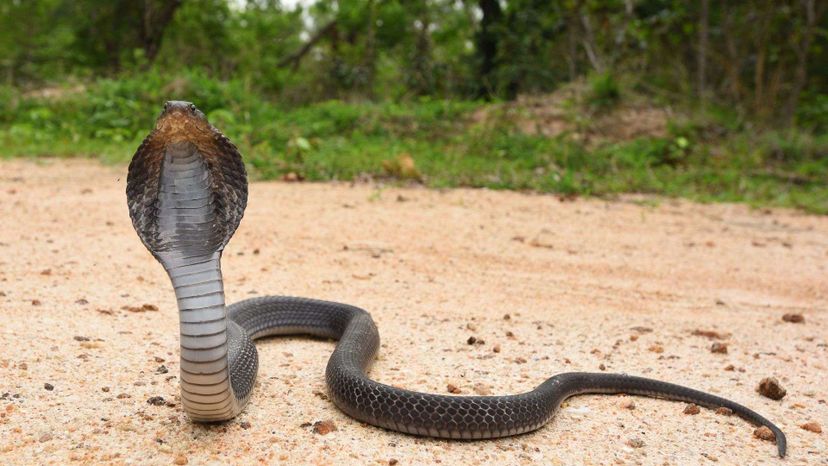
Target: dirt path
(544, 286)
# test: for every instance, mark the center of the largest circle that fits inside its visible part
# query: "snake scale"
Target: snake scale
(186, 193)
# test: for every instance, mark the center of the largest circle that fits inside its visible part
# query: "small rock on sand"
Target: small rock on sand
(720, 348)
(656, 349)
(712, 334)
(451, 388)
(323, 427)
(627, 403)
(724, 411)
(692, 409)
(180, 459)
(769, 387)
(142, 308)
(156, 401)
(635, 442)
(793, 318)
(812, 427)
(764, 433)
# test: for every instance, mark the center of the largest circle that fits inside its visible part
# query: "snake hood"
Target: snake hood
(182, 132)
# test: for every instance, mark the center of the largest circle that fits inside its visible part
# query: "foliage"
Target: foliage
(448, 144)
(764, 59)
(335, 89)
(604, 90)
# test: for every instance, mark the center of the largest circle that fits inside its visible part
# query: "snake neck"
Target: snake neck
(189, 253)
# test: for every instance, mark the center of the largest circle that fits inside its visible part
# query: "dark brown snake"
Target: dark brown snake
(187, 191)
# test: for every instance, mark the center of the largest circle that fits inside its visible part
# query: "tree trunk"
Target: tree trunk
(422, 62)
(701, 68)
(487, 42)
(812, 16)
(589, 44)
(156, 19)
(761, 104)
(369, 60)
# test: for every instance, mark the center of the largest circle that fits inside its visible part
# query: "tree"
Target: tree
(488, 37)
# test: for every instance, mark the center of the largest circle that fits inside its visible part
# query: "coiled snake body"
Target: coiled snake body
(187, 191)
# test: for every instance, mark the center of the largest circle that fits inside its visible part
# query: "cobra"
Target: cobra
(187, 192)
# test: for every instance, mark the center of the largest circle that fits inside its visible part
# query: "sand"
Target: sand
(553, 285)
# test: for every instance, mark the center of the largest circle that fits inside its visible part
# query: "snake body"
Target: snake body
(187, 191)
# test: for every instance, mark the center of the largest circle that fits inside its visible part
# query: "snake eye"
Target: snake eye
(166, 105)
(192, 107)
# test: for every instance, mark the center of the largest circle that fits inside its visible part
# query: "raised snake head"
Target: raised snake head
(185, 154)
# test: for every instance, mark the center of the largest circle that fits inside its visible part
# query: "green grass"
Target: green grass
(340, 140)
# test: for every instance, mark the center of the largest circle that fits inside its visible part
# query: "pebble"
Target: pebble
(48, 386)
(764, 433)
(142, 308)
(769, 387)
(245, 425)
(181, 459)
(155, 400)
(720, 348)
(709, 334)
(453, 388)
(627, 404)
(692, 409)
(656, 349)
(812, 427)
(724, 411)
(635, 442)
(324, 427)
(496, 348)
(793, 318)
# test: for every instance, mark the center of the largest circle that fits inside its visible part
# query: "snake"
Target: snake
(186, 193)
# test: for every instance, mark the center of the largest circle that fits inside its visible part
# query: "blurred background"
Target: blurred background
(706, 99)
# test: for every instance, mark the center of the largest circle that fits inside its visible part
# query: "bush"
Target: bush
(444, 142)
(604, 90)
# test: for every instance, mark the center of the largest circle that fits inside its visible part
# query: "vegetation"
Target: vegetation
(696, 99)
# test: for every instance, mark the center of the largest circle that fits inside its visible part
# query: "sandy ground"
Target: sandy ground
(586, 284)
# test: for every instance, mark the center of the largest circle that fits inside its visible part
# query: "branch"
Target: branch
(296, 56)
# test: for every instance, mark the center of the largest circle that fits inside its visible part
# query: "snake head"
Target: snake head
(187, 185)
(180, 120)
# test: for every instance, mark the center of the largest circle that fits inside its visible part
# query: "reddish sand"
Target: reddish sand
(553, 286)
